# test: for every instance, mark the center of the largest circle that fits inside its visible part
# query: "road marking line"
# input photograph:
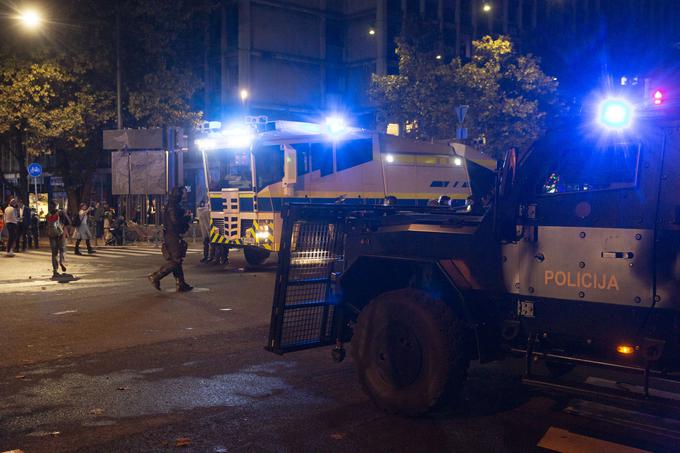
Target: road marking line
(563, 441)
(65, 312)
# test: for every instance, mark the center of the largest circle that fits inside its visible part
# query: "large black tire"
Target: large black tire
(410, 351)
(255, 256)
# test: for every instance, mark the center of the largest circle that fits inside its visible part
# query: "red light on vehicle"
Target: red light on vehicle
(658, 97)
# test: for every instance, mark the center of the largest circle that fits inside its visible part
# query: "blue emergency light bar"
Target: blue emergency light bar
(615, 114)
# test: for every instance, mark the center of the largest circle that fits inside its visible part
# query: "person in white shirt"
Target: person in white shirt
(83, 230)
(11, 221)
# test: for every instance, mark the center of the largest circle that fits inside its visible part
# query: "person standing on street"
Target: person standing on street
(83, 230)
(204, 223)
(66, 224)
(175, 224)
(24, 225)
(11, 223)
(55, 232)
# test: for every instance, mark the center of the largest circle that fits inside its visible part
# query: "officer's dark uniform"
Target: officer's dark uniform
(175, 224)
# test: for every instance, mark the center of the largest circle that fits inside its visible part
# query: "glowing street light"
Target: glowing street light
(244, 95)
(30, 19)
(486, 7)
(371, 31)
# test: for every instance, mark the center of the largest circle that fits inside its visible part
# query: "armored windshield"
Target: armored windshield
(588, 167)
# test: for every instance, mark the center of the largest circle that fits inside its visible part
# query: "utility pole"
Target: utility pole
(206, 65)
(119, 108)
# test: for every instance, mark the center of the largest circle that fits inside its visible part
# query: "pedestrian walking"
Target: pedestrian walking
(204, 223)
(11, 223)
(56, 222)
(67, 224)
(175, 224)
(83, 230)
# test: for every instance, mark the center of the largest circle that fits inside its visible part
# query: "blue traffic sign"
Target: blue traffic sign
(34, 170)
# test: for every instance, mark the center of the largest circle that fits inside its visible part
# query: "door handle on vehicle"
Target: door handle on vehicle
(618, 255)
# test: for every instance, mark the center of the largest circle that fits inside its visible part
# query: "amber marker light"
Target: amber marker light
(625, 349)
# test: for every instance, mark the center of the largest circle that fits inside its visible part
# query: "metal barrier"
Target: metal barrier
(305, 308)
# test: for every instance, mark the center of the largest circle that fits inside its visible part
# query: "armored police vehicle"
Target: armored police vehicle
(573, 258)
(253, 170)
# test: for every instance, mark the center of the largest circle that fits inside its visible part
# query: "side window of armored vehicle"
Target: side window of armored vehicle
(322, 158)
(351, 153)
(583, 169)
(269, 162)
(304, 158)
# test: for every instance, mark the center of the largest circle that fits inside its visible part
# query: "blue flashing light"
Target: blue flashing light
(335, 126)
(235, 136)
(615, 114)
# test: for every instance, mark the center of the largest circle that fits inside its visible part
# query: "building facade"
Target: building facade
(299, 59)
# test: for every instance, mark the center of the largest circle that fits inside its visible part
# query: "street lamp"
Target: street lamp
(244, 95)
(486, 7)
(31, 19)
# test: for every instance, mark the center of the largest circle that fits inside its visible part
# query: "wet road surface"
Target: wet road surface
(106, 363)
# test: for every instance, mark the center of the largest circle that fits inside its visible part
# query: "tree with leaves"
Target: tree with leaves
(57, 86)
(510, 99)
(46, 108)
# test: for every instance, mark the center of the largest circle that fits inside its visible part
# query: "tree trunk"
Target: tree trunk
(20, 155)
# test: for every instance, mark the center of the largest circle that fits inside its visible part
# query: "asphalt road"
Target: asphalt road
(107, 364)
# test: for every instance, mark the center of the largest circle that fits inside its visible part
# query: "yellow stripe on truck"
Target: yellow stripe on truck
(399, 195)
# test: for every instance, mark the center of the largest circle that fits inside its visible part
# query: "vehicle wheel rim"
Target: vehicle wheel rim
(399, 355)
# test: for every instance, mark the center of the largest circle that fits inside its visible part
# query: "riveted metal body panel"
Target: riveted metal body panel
(606, 265)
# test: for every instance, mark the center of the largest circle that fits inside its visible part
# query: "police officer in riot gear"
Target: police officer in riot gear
(175, 224)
